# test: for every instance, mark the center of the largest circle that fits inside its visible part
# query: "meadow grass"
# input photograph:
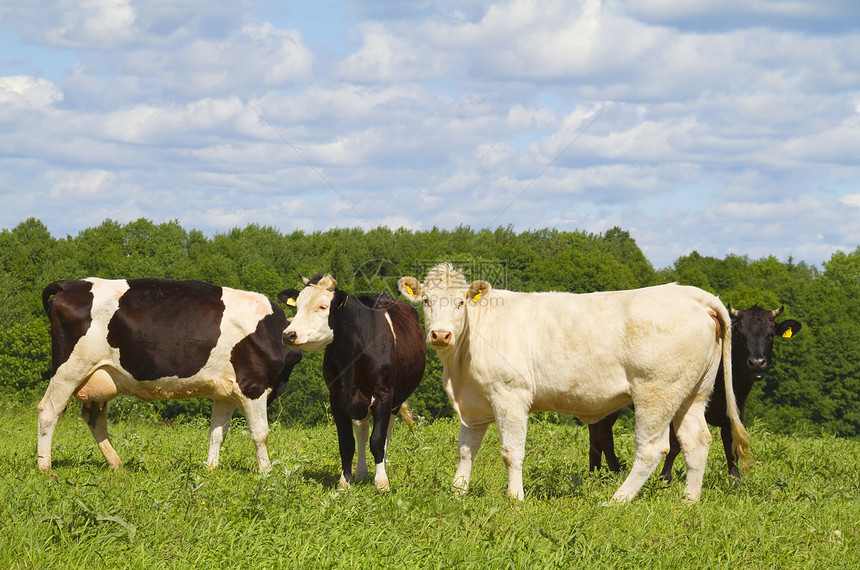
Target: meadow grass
(798, 506)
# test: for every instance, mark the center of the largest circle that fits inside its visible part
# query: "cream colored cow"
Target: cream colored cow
(506, 354)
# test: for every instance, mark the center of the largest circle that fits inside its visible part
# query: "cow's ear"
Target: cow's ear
(788, 328)
(288, 297)
(410, 288)
(477, 290)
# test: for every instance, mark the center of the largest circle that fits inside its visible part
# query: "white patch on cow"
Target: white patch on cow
(362, 434)
(391, 326)
(309, 329)
(106, 295)
(380, 478)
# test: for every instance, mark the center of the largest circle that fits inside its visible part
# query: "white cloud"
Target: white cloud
(388, 56)
(93, 23)
(720, 128)
(26, 92)
(150, 124)
(82, 185)
(851, 200)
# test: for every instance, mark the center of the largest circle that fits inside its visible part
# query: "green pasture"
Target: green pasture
(799, 506)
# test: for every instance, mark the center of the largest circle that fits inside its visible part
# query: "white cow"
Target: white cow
(507, 354)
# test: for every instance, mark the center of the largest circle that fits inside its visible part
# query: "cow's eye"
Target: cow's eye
(460, 303)
(426, 301)
(322, 307)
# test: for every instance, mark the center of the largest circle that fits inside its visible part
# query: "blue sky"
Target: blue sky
(719, 126)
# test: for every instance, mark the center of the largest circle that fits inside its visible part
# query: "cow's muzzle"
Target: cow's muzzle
(289, 338)
(440, 337)
(757, 367)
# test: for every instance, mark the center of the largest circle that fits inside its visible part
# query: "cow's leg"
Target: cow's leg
(382, 421)
(595, 451)
(651, 436)
(219, 424)
(49, 409)
(469, 442)
(695, 439)
(95, 416)
(512, 437)
(674, 450)
(362, 434)
(390, 430)
(258, 425)
(726, 435)
(602, 442)
(345, 443)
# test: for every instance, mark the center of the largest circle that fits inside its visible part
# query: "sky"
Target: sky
(720, 126)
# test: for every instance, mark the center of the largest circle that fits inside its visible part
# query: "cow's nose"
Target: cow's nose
(440, 337)
(757, 363)
(290, 337)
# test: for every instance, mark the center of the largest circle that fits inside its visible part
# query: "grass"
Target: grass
(799, 505)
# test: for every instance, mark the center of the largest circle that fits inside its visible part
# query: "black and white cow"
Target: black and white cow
(159, 339)
(374, 359)
(753, 333)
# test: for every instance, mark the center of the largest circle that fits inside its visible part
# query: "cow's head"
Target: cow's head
(446, 297)
(753, 331)
(310, 329)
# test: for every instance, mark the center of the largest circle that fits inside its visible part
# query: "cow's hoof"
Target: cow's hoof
(343, 484)
(383, 486)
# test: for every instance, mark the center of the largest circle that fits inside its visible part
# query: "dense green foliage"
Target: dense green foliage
(815, 379)
(796, 508)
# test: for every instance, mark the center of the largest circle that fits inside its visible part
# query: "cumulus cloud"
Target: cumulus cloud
(91, 23)
(82, 185)
(26, 92)
(695, 125)
(386, 55)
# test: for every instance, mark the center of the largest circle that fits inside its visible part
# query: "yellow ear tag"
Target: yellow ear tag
(787, 333)
(409, 290)
(291, 302)
(477, 297)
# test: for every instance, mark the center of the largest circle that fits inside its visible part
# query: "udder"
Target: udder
(100, 387)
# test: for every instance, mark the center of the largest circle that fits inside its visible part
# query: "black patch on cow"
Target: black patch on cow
(261, 361)
(166, 328)
(68, 305)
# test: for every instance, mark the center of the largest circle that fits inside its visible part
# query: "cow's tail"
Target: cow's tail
(740, 437)
(406, 416)
(49, 291)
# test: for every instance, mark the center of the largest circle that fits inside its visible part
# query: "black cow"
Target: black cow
(374, 359)
(159, 339)
(753, 332)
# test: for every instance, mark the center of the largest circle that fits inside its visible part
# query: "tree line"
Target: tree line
(814, 382)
